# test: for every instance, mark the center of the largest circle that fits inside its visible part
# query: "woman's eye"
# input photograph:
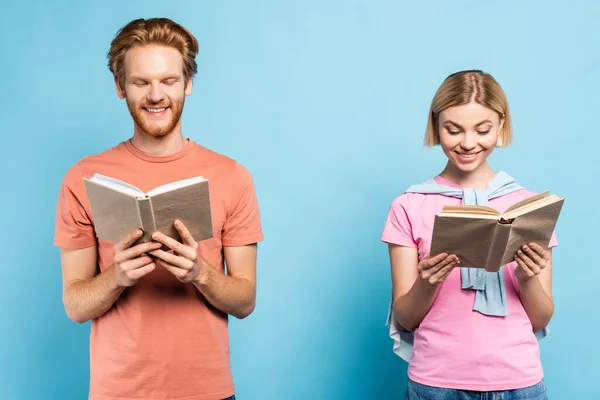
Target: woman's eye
(483, 132)
(453, 132)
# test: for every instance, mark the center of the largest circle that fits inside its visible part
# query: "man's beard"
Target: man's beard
(153, 129)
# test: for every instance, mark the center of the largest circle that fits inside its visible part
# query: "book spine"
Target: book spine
(146, 219)
(498, 247)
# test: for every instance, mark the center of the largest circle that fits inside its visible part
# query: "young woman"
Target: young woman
(467, 333)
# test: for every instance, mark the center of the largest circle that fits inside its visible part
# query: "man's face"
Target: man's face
(155, 88)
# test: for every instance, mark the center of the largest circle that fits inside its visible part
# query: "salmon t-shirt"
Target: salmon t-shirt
(161, 339)
(454, 346)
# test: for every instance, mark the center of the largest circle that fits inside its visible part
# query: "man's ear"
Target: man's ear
(120, 91)
(188, 87)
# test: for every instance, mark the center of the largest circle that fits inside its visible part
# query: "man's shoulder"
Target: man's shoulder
(113, 153)
(218, 160)
(84, 166)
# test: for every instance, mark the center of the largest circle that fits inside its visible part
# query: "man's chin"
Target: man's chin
(156, 131)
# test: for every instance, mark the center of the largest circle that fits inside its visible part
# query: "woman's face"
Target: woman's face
(469, 134)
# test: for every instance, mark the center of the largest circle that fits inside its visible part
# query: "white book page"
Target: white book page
(118, 185)
(174, 185)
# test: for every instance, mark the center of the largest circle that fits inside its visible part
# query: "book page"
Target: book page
(464, 215)
(526, 201)
(524, 209)
(175, 185)
(117, 185)
(536, 226)
(475, 211)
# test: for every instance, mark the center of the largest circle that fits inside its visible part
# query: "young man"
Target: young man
(159, 318)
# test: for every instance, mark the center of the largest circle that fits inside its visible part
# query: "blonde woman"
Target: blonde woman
(465, 332)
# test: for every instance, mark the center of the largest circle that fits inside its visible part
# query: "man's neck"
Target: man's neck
(163, 146)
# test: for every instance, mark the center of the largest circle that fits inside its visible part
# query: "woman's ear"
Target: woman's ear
(500, 138)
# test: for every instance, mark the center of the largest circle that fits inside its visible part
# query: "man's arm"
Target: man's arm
(87, 295)
(235, 292)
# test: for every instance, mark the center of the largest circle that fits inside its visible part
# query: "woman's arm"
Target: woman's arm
(414, 283)
(534, 274)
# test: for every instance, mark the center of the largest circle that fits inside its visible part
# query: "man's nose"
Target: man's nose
(155, 95)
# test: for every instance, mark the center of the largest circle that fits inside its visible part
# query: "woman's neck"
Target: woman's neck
(478, 178)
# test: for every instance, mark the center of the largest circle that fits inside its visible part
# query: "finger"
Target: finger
(177, 261)
(543, 253)
(128, 240)
(178, 272)
(533, 255)
(174, 245)
(444, 273)
(427, 263)
(136, 251)
(185, 234)
(529, 262)
(136, 274)
(429, 272)
(135, 263)
(523, 266)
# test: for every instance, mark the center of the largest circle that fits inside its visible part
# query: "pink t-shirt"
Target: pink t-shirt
(454, 346)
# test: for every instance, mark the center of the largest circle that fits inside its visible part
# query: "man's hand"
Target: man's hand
(185, 263)
(132, 263)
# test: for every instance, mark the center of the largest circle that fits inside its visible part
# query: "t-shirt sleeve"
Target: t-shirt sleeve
(242, 224)
(397, 228)
(553, 241)
(73, 226)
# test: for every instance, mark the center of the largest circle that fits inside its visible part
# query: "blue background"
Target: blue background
(326, 103)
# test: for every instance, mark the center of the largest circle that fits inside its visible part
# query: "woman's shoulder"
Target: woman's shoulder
(420, 201)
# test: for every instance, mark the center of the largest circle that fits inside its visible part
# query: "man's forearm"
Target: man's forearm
(536, 302)
(231, 295)
(88, 299)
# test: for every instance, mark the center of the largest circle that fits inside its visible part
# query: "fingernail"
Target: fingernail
(138, 233)
(177, 223)
(155, 236)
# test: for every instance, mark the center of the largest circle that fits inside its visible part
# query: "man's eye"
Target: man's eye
(139, 84)
(171, 82)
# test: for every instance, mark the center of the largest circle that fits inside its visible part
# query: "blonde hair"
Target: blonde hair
(158, 31)
(464, 87)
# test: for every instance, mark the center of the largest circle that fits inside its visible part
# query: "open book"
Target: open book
(118, 208)
(482, 237)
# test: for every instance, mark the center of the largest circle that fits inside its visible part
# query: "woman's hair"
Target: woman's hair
(464, 87)
(157, 31)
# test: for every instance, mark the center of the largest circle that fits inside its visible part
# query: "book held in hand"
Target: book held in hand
(481, 237)
(119, 208)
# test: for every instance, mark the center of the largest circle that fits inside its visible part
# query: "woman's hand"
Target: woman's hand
(435, 270)
(532, 259)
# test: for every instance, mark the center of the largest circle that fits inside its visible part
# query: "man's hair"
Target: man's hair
(152, 31)
(464, 87)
